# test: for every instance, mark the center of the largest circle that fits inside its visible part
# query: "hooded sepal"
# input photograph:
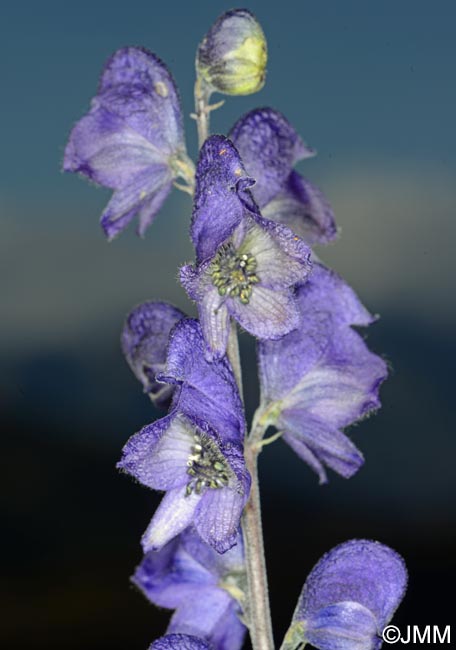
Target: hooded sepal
(144, 342)
(348, 598)
(270, 147)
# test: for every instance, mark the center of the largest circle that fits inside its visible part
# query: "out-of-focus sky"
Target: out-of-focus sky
(371, 85)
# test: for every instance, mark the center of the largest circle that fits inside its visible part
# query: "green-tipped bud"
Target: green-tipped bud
(232, 57)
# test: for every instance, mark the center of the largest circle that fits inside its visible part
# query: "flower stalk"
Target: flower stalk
(258, 614)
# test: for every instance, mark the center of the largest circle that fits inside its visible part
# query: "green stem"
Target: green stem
(258, 610)
(234, 356)
(201, 112)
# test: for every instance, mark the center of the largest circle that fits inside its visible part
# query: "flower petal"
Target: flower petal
(344, 626)
(137, 85)
(269, 314)
(269, 147)
(180, 642)
(317, 442)
(282, 260)
(144, 194)
(208, 391)
(144, 341)
(175, 512)
(167, 466)
(157, 455)
(215, 323)
(211, 615)
(304, 209)
(171, 576)
(217, 517)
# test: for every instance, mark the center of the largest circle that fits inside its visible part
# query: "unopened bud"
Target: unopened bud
(232, 57)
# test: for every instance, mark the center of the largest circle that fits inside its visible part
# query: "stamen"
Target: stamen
(233, 274)
(206, 466)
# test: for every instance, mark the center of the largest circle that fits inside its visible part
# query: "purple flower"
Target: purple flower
(348, 598)
(131, 140)
(144, 342)
(270, 147)
(202, 586)
(195, 453)
(322, 377)
(247, 266)
(180, 642)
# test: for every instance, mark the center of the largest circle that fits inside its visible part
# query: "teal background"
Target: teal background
(372, 87)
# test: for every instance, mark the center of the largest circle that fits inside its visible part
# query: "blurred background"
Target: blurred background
(372, 86)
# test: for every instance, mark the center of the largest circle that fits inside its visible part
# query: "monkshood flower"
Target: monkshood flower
(270, 147)
(144, 341)
(321, 378)
(203, 587)
(348, 598)
(132, 139)
(195, 453)
(232, 57)
(180, 642)
(247, 266)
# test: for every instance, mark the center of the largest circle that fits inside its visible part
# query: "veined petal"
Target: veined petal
(108, 151)
(144, 194)
(175, 512)
(344, 626)
(208, 390)
(304, 209)
(269, 147)
(171, 577)
(217, 517)
(140, 448)
(167, 466)
(215, 323)
(318, 443)
(210, 616)
(269, 314)
(279, 265)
